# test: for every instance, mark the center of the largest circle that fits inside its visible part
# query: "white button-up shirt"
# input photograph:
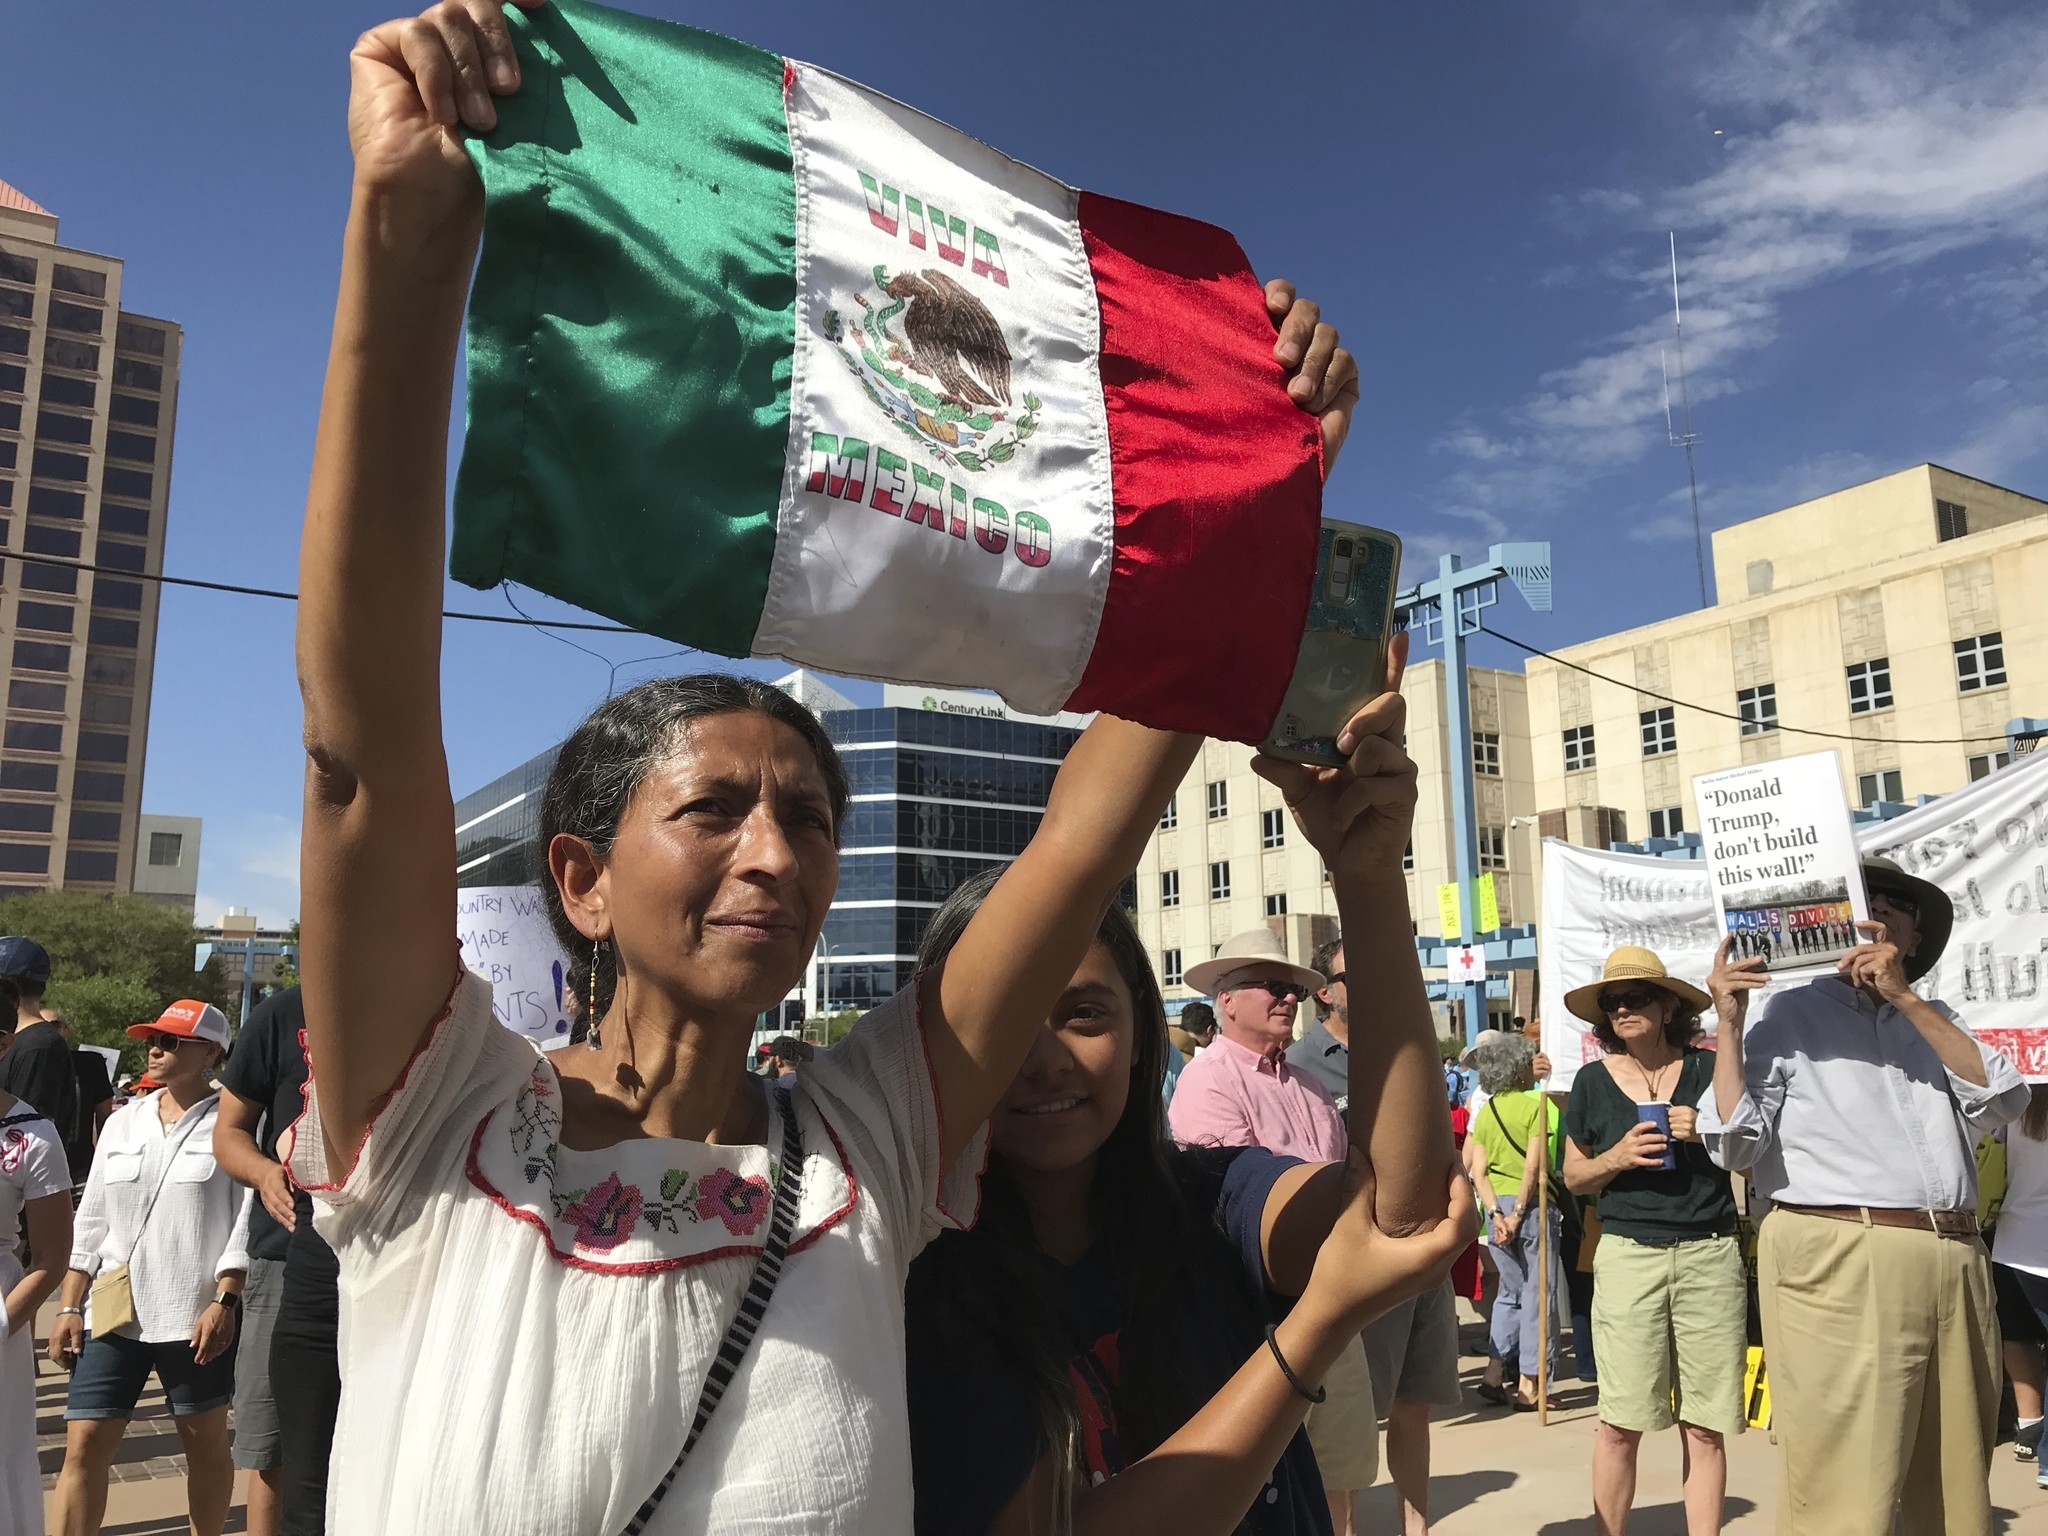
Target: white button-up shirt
(1845, 1103)
(196, 1231)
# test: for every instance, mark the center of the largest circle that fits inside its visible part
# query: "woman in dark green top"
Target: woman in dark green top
(1669, 1302)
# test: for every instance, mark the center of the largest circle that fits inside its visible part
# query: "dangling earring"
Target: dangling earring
(591, 1034)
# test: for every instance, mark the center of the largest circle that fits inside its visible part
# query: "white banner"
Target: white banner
(506, 940)
(1987, 846)
(1593, 903)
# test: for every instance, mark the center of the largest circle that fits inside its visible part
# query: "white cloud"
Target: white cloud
(2003, 445)
(251, 862)
(1851, 152)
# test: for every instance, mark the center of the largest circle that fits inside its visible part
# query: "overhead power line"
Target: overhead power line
(622, 629)
(1708, 709)
(293, 597)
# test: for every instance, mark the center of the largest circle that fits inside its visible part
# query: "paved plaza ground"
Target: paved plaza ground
(1497, 1473)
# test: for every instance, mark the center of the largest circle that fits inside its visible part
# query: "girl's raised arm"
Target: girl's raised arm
(377, 855)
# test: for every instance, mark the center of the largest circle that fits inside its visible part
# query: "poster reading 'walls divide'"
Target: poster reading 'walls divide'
(1782, 863)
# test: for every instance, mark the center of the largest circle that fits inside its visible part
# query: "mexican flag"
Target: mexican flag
(768, 364)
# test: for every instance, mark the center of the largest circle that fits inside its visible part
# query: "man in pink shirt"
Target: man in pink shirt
(1241, 1092)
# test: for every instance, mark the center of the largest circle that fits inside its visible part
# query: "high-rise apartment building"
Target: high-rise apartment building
(1903, 616)
(88, 396)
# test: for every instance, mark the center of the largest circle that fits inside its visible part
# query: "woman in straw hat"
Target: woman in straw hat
(1668, 1284)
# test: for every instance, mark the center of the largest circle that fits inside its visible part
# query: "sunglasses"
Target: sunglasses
(168, 1044)
(1279, 991)
(1635, 999)
(1336, 980)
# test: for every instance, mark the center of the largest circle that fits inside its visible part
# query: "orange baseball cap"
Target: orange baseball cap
(188, 1017)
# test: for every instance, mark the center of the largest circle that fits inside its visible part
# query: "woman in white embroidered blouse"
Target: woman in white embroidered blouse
(157, 1202)
(540, 1254)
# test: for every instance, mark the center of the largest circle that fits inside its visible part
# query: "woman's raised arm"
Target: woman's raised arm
(377, 855)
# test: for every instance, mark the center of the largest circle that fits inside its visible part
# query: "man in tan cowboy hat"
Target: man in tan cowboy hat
(1241, 1092)
(1855, 1105)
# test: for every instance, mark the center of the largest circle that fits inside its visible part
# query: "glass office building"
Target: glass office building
(944, 784)
(497, 829)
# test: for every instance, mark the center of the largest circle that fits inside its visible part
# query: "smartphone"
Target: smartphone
(1342, 664)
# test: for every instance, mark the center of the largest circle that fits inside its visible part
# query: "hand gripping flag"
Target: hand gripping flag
(765, 363)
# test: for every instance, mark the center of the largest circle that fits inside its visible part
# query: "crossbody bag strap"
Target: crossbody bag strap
(1494, 1106)
(1542, 1109)
(739, 1336)
(163, 1174)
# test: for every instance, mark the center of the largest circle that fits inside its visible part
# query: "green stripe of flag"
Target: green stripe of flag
(639, 256)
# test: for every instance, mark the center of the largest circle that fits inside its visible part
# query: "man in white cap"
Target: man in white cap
(1242, 1092)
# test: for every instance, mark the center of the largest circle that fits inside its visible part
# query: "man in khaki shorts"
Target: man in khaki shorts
(1855, 1105)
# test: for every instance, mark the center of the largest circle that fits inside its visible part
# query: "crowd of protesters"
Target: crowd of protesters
(1020, 1253)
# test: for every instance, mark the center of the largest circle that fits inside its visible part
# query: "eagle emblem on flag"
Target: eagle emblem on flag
(945, 376)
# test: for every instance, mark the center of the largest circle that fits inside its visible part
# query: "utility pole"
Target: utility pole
(1460, 593)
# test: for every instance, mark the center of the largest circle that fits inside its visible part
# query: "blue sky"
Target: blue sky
(1477, 192)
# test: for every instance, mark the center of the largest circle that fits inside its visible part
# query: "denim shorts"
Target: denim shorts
(112, 1371)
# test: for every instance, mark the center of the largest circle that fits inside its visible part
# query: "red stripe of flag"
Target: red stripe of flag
(1217, 478)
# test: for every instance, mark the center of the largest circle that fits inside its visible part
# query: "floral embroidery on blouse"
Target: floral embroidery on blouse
(612, 1211)
(739, 1203)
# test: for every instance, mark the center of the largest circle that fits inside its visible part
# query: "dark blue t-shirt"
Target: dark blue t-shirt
(973, 1436)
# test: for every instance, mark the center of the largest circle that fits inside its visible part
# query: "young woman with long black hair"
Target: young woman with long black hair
(1098, 1353)
(554, 1269)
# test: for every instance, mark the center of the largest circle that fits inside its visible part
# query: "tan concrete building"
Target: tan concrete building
(1228, 857)
(167, 860)
(88, 395)
(1904, 614)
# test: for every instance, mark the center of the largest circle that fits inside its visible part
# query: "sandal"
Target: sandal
(1496, 1395)
(1530, 1406)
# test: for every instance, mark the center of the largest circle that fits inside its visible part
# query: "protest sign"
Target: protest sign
(1782, 862)
(1986, 846)
(1593, 903)
(505, 938)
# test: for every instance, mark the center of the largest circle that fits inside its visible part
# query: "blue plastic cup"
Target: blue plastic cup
(1659, 1115)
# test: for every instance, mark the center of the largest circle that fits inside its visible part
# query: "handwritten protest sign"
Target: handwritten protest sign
(1782, 862)
(1986, 846)
(506, 940)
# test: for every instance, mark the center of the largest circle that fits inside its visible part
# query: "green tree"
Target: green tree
(114, 961)
(832, 1028)
(101, 1008)
(288, 968)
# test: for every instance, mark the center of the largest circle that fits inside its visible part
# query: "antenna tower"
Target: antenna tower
(1680, 430)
